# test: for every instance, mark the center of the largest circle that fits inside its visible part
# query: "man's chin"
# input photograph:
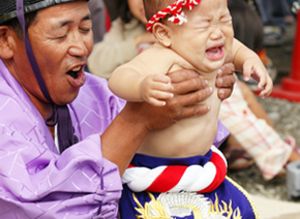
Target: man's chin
(66, 100)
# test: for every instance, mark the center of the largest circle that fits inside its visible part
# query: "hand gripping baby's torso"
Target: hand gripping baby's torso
(188, 137)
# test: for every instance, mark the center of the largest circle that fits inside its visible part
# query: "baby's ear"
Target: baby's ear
(162, 34)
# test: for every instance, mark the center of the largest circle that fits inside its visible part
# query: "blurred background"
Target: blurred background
(270, 28)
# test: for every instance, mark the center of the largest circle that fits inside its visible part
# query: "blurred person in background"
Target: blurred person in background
(252, 133)
(125, 39)
(275, 16)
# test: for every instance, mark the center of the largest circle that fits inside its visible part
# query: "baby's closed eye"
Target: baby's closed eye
(202, 25)
(226, 18)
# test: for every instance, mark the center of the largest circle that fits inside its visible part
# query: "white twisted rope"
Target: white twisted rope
(194, 178)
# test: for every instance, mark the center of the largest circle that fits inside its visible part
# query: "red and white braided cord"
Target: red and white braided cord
(176, 12)
(194, 178)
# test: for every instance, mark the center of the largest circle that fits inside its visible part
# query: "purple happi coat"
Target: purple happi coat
(38, 182)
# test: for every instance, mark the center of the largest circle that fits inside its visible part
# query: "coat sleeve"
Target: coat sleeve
(38, 183)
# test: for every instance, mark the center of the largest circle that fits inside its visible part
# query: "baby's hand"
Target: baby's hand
(254, 68)
(156, 89)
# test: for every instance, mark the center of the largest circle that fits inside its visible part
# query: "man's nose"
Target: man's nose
(78, 47)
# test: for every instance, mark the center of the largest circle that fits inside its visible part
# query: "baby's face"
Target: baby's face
(206, 39)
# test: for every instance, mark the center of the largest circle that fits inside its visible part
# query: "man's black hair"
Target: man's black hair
(8, 7)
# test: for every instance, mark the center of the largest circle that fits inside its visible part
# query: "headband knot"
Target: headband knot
(175, 10)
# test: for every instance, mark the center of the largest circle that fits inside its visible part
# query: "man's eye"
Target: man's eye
(61, 37)
(85, 30)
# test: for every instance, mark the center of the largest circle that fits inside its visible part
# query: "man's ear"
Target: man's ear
(162, 33)
(7, 43)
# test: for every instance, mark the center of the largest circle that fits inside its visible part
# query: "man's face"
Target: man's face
(61, 39)
(206, 39)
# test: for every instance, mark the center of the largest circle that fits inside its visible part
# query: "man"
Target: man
(64, 138)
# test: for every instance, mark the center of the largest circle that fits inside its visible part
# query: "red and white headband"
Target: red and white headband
(176, 12)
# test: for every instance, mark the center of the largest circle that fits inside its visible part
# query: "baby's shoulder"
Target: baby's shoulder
(159, 59)
(156, 56)
(158, 52)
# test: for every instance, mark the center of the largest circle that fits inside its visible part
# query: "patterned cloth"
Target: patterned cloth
(227, 199)
(175, 11)
(260, 140)
(35, 180)
(175, 178)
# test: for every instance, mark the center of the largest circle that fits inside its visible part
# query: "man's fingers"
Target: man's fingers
(182, 75)
(190, 85)
(226, 69)
(192, 98)
(190, 111)
(224, 93)
(225, 81)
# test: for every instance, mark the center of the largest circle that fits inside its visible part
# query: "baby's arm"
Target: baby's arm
(248, 61)
(132, 82)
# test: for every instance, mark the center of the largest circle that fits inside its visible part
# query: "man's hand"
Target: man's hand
(225, 81)
(189, 90)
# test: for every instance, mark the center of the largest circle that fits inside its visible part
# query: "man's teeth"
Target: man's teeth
(76, 69)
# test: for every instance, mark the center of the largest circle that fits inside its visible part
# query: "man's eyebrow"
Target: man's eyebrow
(87, 17)
(66, 22)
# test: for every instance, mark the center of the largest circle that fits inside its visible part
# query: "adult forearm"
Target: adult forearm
(123, 137)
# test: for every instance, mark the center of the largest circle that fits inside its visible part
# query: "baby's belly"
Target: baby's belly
(187, 137)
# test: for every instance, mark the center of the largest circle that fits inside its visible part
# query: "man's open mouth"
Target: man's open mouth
(74, 73)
